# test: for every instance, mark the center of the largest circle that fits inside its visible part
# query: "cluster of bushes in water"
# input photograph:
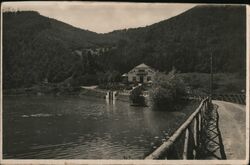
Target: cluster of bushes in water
(167, 92)
(136, 96)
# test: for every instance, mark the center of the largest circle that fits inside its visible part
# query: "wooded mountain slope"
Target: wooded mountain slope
(187, 40)
(37, 48)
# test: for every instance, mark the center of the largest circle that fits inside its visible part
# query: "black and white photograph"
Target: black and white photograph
(114, 82)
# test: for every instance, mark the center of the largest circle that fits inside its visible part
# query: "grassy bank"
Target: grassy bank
(222, 82)
(93, 93)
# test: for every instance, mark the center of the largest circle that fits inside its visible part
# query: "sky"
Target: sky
(102, 17)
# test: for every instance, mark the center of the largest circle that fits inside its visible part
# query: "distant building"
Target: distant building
(141, 73)
(125, 78)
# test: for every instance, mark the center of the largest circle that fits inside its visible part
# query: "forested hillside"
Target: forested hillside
(36, 48)
(187, 40)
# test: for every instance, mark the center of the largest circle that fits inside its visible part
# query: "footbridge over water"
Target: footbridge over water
(209, 132)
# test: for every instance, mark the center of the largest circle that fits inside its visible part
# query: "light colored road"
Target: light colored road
(232, 125)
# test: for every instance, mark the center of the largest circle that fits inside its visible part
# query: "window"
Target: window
(148, 78)
(134, 78)
(141, 70)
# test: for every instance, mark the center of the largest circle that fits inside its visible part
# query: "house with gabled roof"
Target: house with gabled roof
(141, 74)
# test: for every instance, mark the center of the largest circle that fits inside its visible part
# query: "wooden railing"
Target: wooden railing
(187, 140)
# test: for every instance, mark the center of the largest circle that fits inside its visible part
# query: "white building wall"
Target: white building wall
(133, 73)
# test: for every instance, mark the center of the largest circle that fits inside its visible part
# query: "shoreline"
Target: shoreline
(97, 93)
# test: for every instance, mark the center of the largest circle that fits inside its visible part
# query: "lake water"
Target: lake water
(46, 127)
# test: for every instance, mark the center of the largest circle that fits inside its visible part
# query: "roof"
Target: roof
(142, 66)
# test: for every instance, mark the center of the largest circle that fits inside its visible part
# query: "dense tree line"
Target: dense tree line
(36, 48)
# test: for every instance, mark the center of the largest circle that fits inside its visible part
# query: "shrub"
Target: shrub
(136, 96)
(167, 91)
(87, 79)
(109, 77)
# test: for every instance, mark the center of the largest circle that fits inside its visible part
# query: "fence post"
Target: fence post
(199, 123)
(206, 106)
(242, 98)
(239, 99)
(185, 151)
(196, 135)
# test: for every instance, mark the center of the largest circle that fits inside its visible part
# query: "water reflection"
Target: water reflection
(110, 105)
(79, 128)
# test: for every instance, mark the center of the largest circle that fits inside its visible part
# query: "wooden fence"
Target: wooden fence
(187, 141)
(235, 98)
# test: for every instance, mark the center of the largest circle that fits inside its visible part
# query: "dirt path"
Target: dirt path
(232, 125)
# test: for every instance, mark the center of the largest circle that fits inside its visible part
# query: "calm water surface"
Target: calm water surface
(43, 127)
